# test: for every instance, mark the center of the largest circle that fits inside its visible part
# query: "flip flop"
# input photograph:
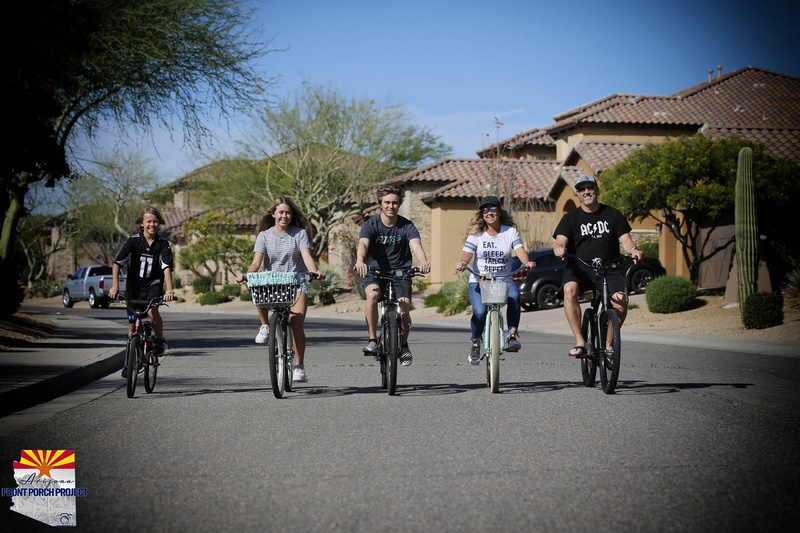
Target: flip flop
(581, 352)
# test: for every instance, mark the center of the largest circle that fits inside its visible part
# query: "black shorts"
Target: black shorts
(586, 277)
(146, 293)
(402, 289)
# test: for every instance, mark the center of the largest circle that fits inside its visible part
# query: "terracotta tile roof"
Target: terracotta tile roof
(468, 179)
(601, 155)
(783, 144)
(535, 137)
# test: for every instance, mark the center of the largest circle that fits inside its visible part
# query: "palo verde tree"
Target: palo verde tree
(326, 151)
(128, 63)
(214, 248)
(696, 178)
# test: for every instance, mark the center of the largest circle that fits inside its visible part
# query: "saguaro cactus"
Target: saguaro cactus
(746, 227)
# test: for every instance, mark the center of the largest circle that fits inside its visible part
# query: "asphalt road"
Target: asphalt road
(693, 440)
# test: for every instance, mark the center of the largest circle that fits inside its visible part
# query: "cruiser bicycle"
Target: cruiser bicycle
(277, 291)
(391, 324)
(601, 322)
(494, 294)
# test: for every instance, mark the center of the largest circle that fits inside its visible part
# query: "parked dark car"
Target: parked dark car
(540, 288)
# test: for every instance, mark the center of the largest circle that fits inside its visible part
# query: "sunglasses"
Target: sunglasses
(493, 209)
(586, 188)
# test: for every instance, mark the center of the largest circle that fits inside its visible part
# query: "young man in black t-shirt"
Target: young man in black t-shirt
(590, 231)
(386, 242)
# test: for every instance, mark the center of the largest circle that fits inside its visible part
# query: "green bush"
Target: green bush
(325, 290)
(670, 294)
(212, 298)
(201, 285)
(246, 297)
(232, 291)
(763, 310)
(649, 249)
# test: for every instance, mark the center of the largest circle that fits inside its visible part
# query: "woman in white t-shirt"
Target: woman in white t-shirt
(283, 244)
(491, 238)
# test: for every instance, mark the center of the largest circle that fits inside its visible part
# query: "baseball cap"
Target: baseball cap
(585, 178)
(490, 200)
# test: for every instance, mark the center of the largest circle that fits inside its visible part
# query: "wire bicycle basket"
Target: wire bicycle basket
(273, 289)
(494, 292)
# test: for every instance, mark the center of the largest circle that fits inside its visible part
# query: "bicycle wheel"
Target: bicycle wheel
(277, 349)
(609, 360)
(494, 357)
(151, 370)
(382, 359)
(392, 347)
(589, 363)
(132, 358)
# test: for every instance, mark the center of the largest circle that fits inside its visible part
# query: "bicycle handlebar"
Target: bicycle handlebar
(488, 276)
(396, 275)
(141, 306)
(602, 265)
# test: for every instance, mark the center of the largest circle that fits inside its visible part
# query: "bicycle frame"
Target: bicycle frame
(391, 323)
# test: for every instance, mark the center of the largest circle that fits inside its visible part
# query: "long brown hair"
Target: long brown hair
(478, 225)
(298, 218)
(149, 211)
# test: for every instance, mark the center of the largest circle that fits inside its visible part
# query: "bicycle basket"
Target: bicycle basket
(273, 289)
(494, 292)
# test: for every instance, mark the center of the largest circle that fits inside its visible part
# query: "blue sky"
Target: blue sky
(456, 65)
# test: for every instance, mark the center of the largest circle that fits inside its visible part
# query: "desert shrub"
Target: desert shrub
(451, 299)
(246, 296)
(232, 291)
(763, 310)
(212, 298)
(325, 290)
(44, 288)
(201, 285)
(670, 294)
(791, 288)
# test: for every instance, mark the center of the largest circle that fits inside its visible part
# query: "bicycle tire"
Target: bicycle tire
(494, 357)
(392, 350)
(151, 370)
(589, 363)
(132, 358)
(288, 359)
(382, 360)
(276, 348)
(609, 362)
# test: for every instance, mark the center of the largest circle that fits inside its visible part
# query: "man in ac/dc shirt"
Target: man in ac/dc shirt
(590, 231)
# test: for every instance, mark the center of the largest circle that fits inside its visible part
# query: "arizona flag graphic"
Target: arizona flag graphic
(46, 479)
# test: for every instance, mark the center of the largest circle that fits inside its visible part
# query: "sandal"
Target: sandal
(581, 352)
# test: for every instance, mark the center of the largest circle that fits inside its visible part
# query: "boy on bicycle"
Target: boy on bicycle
(150, 265)
(593, 230)
(386, 242)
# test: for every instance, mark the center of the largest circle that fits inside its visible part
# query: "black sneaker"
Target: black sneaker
(124, 371)
(158, 346)
(405, 355)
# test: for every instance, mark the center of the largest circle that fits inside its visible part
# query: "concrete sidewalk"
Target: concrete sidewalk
(84, 350)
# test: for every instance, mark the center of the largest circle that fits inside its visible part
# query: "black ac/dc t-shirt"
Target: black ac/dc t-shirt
(592, 235)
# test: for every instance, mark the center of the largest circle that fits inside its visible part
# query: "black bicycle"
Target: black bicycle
(140, 353)
(601, 322)
(278, 291)
(390, 313)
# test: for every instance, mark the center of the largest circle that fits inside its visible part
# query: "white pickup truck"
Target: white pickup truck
(90, 283)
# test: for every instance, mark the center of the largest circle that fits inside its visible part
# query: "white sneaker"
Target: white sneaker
(263, 334)
(299, 374)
